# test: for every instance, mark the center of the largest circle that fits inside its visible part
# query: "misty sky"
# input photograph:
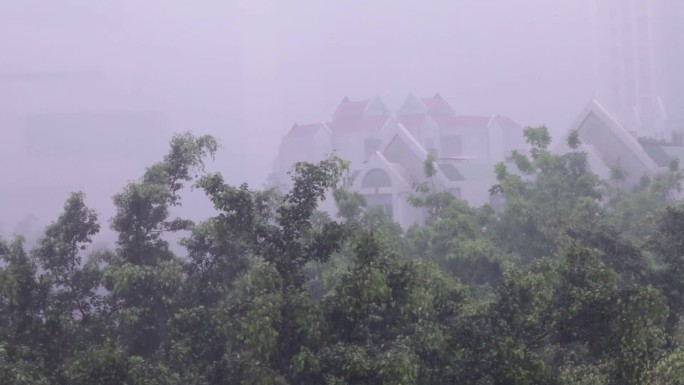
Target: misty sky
(246, 70)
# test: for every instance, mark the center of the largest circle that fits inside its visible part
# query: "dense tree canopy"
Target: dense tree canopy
(572, 281)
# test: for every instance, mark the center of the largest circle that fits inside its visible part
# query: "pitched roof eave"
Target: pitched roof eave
(392, 170)
(620, 132)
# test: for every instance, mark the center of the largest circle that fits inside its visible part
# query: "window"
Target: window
(376, 178)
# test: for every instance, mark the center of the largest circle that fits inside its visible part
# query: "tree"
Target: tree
(72, 304)
(252, 258)
(59, 252)
(144, 276)
(386, 318)
(554, 289)
(555, 193)
(667, 244)
(23, 302)
(669, 370)
(457, 237)
(633, 211)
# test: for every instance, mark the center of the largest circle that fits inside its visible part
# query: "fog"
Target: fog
(448, 240)
(245, 71)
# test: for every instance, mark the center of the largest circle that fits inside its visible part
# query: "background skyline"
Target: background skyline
(246, 70)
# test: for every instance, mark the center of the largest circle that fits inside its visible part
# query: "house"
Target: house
(388, 153)
(304, 143)
(447, 135)
(609, 145)
(390, 175)
(357, 127)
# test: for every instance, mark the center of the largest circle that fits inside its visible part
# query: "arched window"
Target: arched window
(376, 178)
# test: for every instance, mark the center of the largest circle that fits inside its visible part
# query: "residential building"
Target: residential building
(357, 127)
(388, 153)
(609, 145)
(304, 143)
(434, 123)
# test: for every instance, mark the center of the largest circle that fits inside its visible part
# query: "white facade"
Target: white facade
(304, 143)
(609, 145)
(388, 154)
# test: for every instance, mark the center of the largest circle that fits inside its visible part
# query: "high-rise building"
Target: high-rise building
(669, 48)
(639, 63)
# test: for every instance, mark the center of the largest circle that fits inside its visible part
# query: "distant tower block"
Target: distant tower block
(633, 51)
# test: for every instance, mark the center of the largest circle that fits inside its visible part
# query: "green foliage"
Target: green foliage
(669, 370)
(143, 207)
(557, 193)
(59, 254)
(539, 139)
(429, 167)
(574, 140)
(572, 281)
(350, 204)
(111, 365)
(618, 174)
(457, 238)
(384, 317)
(633, 212)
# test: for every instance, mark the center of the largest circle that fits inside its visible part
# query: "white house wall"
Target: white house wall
(303, 149)
(322, 145)
(512, 139)
(430, 132)
(401, 154)
(351, 146)
(405, 214)
(496, 147)
(295, 150)
(474, 142)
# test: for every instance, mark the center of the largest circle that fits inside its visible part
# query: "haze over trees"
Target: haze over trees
(574, 280)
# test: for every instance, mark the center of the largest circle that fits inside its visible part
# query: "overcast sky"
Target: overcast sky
(246, 70)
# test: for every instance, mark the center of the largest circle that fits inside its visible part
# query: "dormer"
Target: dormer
(360, 109)
(306, 131)
(436, 105)
(412, 106)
